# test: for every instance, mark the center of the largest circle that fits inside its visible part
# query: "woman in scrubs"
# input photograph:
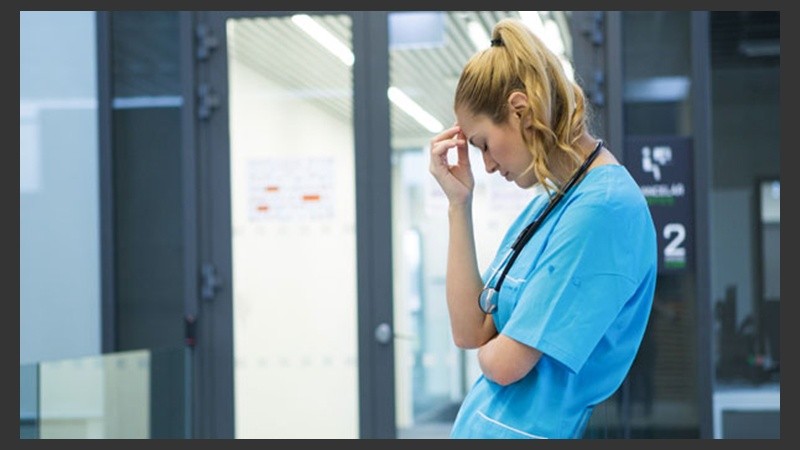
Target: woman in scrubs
(559, 315)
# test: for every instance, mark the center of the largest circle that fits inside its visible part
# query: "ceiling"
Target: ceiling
(427, 72)
(147, 55)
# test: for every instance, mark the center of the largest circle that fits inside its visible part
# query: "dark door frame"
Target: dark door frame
(207, 217)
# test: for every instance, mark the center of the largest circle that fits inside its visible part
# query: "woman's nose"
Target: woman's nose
(490, 164)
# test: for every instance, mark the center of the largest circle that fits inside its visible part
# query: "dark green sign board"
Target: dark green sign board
(662, 165)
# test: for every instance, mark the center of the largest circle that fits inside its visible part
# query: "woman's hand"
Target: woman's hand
(456, 180)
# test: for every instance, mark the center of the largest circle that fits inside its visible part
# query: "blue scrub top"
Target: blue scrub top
(580, 292)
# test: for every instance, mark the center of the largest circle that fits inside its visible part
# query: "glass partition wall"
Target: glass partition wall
(139, 394)
(427, 51)
(745, 219)
(660, 398)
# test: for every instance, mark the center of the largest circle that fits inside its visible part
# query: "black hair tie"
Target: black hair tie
(497, 42)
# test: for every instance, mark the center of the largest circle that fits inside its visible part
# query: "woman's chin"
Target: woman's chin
(524, 182)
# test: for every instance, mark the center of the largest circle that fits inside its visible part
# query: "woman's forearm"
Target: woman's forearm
(470, 326)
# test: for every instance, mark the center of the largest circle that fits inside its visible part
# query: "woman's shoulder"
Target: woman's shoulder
(614, 178)
(611, 188)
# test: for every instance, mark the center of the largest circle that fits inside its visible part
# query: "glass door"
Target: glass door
(427, 50)
(278, 136)
(293, 226)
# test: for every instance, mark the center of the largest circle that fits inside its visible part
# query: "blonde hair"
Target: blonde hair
(519, 61)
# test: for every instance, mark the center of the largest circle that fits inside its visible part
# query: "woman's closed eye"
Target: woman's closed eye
(482, 147)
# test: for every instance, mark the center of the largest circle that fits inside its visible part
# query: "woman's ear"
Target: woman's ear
(518, 104)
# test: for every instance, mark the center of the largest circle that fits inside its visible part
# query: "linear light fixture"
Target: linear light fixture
(546, 30)
(478, 35)
(656, 89)
(324, 37)
(411, 108)
(549, 33)
(764, 47)
(335, 46)
(553, 37)
(534, 21)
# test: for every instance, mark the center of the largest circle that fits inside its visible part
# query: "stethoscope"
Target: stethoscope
(487, 300)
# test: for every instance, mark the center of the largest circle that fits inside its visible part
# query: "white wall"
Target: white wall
(295, 318)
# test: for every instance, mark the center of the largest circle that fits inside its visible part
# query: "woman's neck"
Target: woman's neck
(564, 168)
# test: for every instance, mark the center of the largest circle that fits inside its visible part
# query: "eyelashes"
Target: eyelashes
(483, 148)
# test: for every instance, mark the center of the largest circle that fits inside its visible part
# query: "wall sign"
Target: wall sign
(294, 188)
(662, 165)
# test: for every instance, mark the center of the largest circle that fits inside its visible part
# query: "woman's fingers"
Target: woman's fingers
(455, 179)
(463, 152)
(446, 134)
(442, 143)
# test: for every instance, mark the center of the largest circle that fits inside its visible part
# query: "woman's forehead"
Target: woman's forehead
(467, 119)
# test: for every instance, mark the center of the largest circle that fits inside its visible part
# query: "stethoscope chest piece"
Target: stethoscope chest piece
(487, 300)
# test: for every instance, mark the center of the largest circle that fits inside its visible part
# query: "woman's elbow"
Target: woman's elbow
(465, 342)
(505, 377)
(471, 337)
(468, 340)
(505, 367)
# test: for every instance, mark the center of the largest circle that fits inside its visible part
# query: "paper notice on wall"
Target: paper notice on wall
(286, 189)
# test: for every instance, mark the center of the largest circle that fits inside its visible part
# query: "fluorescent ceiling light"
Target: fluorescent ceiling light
(552, 37)
(534, 22)
(547, 30)
(411, 108)
(549, 33)
(478, 35)
(335, 46)
(656, 89)
(763, 47)
(324, 37)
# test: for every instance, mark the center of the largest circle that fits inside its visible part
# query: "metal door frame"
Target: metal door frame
(207, 218)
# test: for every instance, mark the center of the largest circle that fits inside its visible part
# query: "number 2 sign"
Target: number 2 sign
(662, 166)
